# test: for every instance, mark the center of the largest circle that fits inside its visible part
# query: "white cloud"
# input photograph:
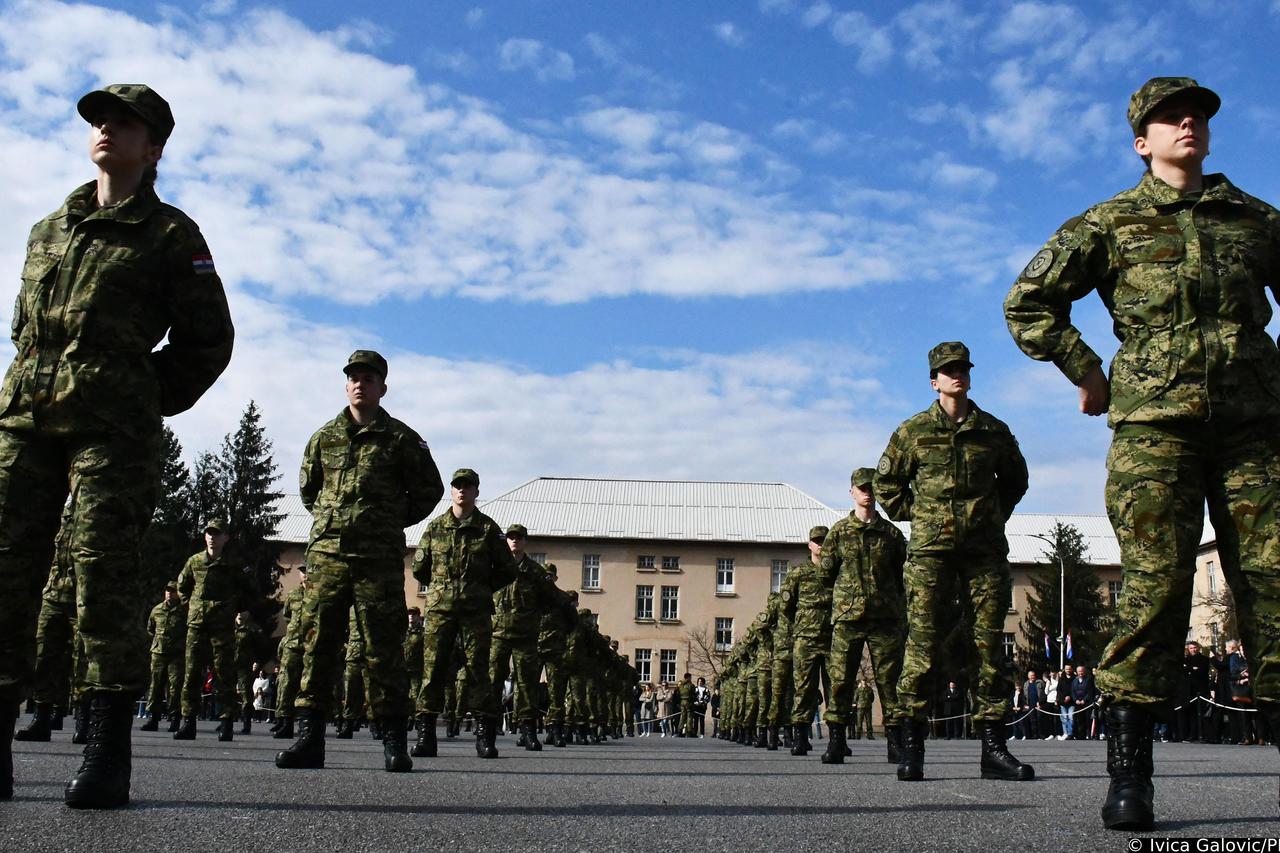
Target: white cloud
(816, 15)
(547, 64)
(729, 33)
(944, 173)
(638, 80)
(818, 138)
(474, 17)
(933, 30)
(457, 61)
(1030, 116)
(776, 7)
(873, 44)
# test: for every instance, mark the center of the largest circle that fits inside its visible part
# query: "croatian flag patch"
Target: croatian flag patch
(202, 263)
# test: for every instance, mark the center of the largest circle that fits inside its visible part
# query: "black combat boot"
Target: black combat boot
(80, 730)
(911, 751)
(580, 735)
(425, 747)
(102, 782)
(55, 723)
(1129, 763)
(847, 751)
(345, 730)
(307, 752)
(40, 726)
(761, 738)
(277, 723)
(175, 720)
(226, 729)
(871, 734)
(997, 761)
(557, 731)
(186, 731)
(521, 740)
(893, 741)
(486, 737)
(246, 726)
(451, 727)
(153, 720)
(8, 717)
(800, 740)
(786, 737)
(531, 742)
(395, 745)
(466, 725)
(285, 732)
(772, 736)
(376, 730)
(835, 745)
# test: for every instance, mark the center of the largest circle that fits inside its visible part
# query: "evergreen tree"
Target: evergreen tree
(1087, 617)
(204, 498)
(167, 542)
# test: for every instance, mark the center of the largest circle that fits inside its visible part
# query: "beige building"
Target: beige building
(677, 570)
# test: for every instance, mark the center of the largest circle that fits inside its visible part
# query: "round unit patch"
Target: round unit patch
(883, 467)
(1039, 264)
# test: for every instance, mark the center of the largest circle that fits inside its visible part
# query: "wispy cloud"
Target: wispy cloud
(817, 137)
(816, 14)
(873, 44)
(474, 17)
(729, 33)
(547, 64)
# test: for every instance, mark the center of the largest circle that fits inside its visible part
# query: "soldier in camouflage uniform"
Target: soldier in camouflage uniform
(865, 553)
(956, 473)
(248, 641)
(365, 477)
(463, 559)
(213, 585)
(864, 698)
(806, 602)
(764, 678)
(167, 626)
(579, 660)
(1182, 263)
(289, 653)
(517, 618)
(413, 651)
(553, 639)
(783, 689)
(107, 278)
(353, 680)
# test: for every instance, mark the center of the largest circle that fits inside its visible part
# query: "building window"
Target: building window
(1010, 645)
(422, 589)
(1215, 634)
(644, 665)
(724, 576)
(1113, 592)
(671, 564)
(644, 603)
(646, 562)
(777, 574)
(590, 571)
(539, 558)
(667, 665)
(1213, 577)
(724, 633)
(670, 603)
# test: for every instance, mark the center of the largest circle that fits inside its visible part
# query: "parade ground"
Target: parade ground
(651, 794)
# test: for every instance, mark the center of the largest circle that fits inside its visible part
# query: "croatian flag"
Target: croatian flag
(202, 263)
(1048, 653)
(1068, 645)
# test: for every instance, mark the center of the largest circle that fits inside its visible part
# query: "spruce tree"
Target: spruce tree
(167, 542)
(1087, 616)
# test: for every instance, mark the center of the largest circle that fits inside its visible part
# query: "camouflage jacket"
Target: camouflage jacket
(248, 639)
(764, 647)
(520, 605)
(684, 690)
(864, 696)
(779, 626)
(956, 483)
(413, 650)
(167, 626)
(1184, 277)
(580, 644)
(101, 288)
(866, 560)
(557, 622)
(363, 485)
(292, 613)
(463, 562)
(213, 590)
(60, 586)
(806, 602)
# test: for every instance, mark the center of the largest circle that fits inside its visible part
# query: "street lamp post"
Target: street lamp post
(1062, 598)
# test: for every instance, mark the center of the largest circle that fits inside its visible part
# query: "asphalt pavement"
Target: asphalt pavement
(658, 795)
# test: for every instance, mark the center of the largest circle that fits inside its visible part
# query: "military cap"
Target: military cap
(137, 98)
(517, 531)
(572, 593)
(215, 524)
(584, 611)
(863, 477)
(817, 534)
(947, 352)
(171, 586)
(1157, 90)
(367, 358)
(466, 475)
(415, 611)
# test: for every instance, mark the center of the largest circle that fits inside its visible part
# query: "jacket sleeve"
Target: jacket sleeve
(504, 567)
(1011, 475)
(893, 476)
(421, 565)
(1038, 307)
(311, 476)
(200, 330)
(186, 582)
(425, 488)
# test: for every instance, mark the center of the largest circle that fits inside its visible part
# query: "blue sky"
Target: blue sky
(667, 240)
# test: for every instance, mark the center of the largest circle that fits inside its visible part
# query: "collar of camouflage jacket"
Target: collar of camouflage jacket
(1158, 193)
(83, 203)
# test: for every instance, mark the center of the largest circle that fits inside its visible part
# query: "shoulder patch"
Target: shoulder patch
(1039, 264)
(884, 466)
(202, 263)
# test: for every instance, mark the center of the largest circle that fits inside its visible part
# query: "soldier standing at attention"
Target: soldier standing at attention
(956, 473)
(553, 637)
(806, 603)
(783, 690)
(212, 583)
(365, 477)
(248, 639)
(167, 626)
(864, 698)
(865, 553)
(463, 559)
(518, 610)
(413, 651)
(289, 654)
(1182, 263)
(106, 278)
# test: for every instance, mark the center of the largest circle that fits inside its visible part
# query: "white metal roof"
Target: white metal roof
(699, 511)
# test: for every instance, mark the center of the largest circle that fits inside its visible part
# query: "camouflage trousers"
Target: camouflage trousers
(57, 652)
(1158, 479)
(751, 700)
(166, 683)
(984, 579)
(290, 654)
(113, 481)
(353, 691)
(808, 670)
(528, 667)
(244, 691)
(210, 642)
(862, 725)
(557, 684)
(783, 693)
(884, 639)
(765, 699)
(473, 631)
(374, 588)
